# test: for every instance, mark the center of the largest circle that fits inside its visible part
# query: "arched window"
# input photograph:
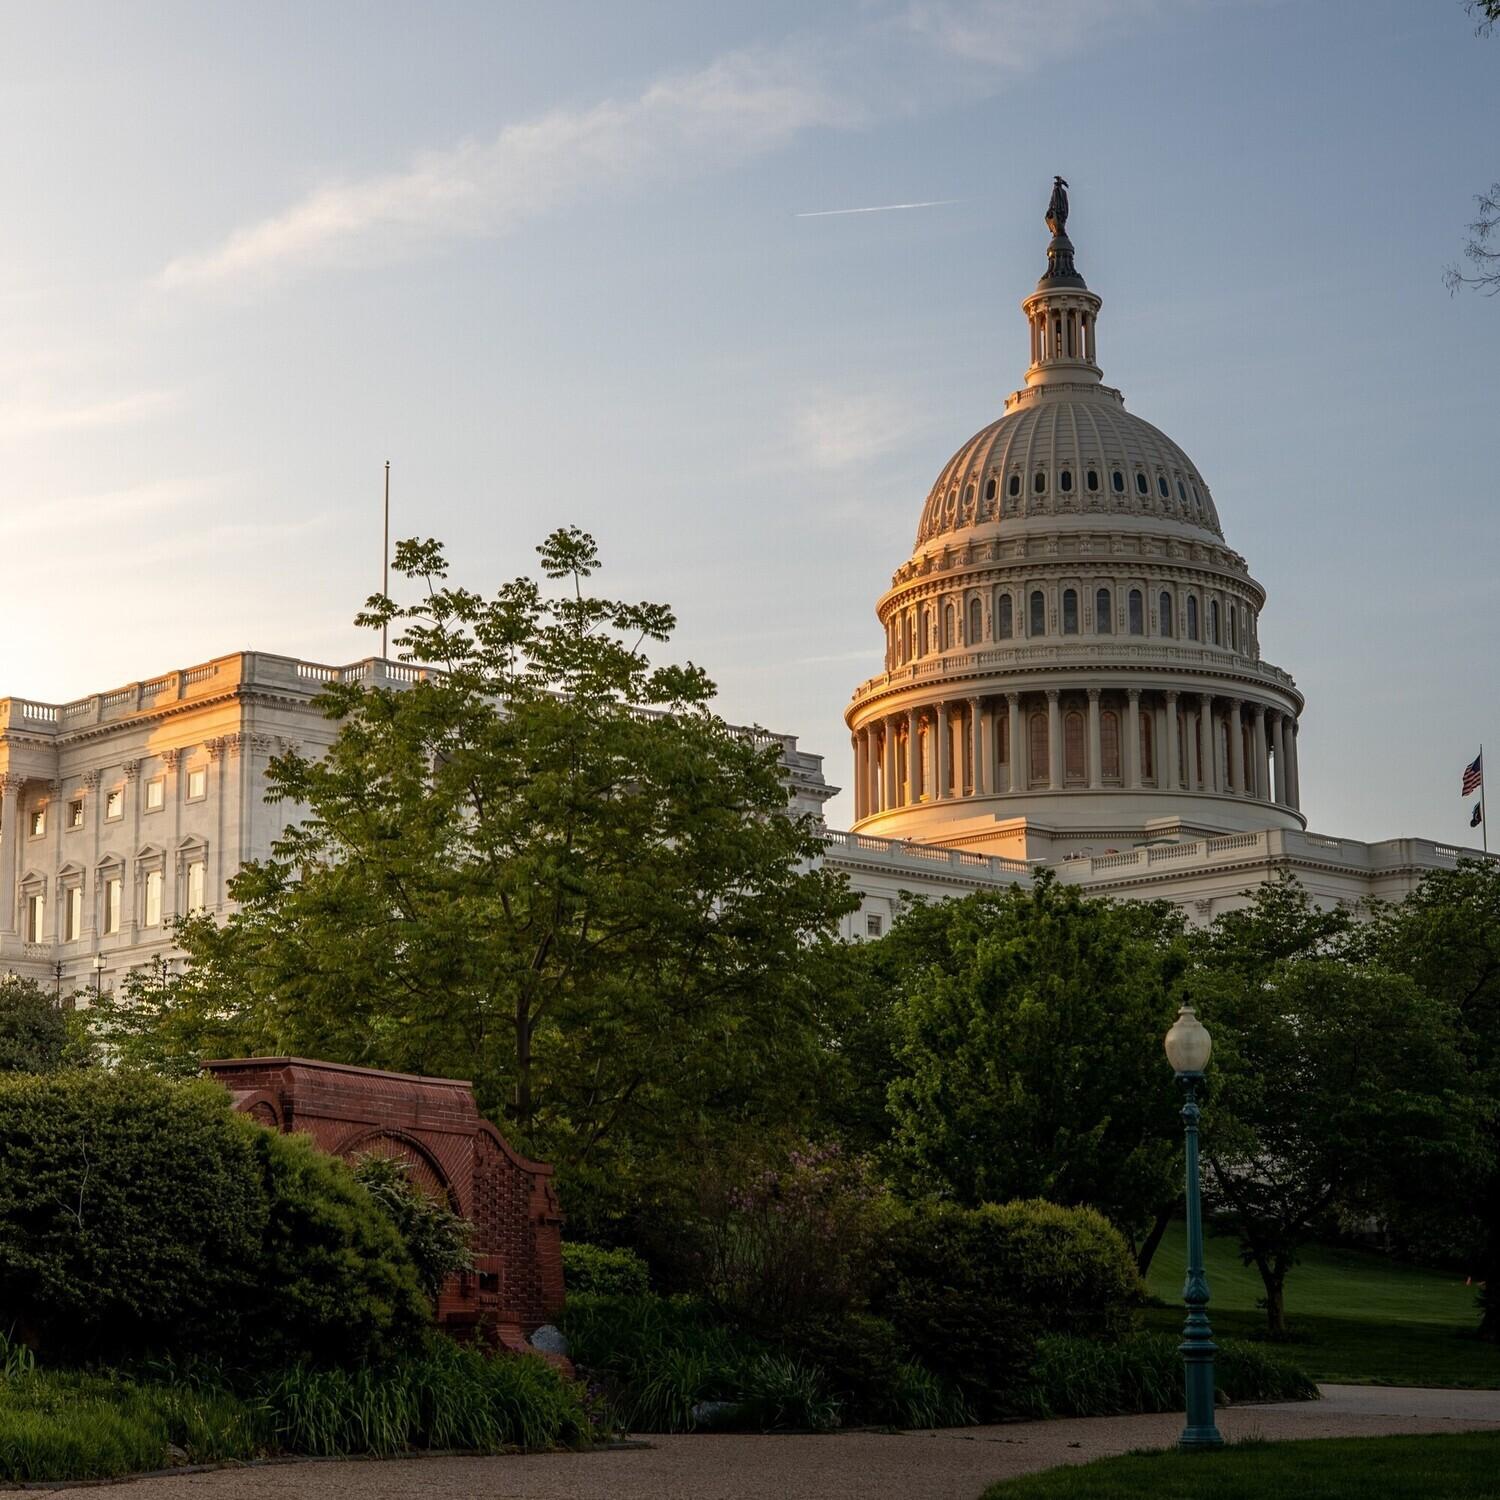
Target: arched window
(1074, 768)
(1118, 480)
(1005, 615)
(1070, 611)
(1038, 769)
(950, 628)
(1038, 625)
(1192, 617)
(1014, 485)
(1038, 482)
(1104, 614)
(1213, 621)
(1109, 745)
(1137, 613)
(1164, 613)
(976, 622)
(1161, 487)
(1181, 494)
(1065, 481)
(989, 488)
(1148, 745)
(1092, 480)
(924, 644)
(1141, 487)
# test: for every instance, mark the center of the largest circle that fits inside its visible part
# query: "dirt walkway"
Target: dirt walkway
(952, 1464)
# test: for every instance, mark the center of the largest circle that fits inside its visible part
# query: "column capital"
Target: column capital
(169, 758)
(1171, 694)
(1053, 694)
(11, 783)
(1013, 698)
(1134, 694)
(132, 769)
(91, 780)
(1094, 694)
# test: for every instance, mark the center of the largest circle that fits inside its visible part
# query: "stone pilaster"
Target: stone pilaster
(1017, 780)
(1236, 749)
(1054, 741)
(1096, 746)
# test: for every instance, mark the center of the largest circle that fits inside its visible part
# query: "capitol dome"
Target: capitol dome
(1072, 658)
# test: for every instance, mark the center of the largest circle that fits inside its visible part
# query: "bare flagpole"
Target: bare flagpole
(385, 563)
(1484, 821)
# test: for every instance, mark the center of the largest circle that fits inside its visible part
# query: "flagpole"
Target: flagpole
(385, 563)
(1484, 821)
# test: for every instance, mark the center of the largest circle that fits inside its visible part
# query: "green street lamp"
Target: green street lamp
(1188, 1047)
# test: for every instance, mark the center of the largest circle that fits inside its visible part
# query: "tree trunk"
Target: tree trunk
(1154, 1239)
(1275, 1285)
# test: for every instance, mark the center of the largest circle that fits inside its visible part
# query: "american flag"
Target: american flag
(1473, 775)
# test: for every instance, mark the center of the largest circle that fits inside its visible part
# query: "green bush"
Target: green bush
(1081, 1377)
(139, 1216)
(593, 1271)
(970, 1291)
(436, 1238)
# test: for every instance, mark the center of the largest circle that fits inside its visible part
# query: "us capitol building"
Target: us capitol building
(1072, 680)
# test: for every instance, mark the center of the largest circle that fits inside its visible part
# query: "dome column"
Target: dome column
(985, 773)
(1278, 745)
(1207, 766)
(1013, 704)
(1293, 766)
(913, 758)
(872, 770)
(1236, 749)
(1173, 770)
(1054, 741)
(944, 755)
(1133, 742)
(975, 737)
(859, 775)
(890, 798)
(1262, 756)
(1096, 747)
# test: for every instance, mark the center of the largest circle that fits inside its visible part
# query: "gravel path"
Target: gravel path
(951, 1464)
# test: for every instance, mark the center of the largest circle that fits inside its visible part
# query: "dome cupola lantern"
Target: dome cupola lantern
(1062, 310)
(1072, 649)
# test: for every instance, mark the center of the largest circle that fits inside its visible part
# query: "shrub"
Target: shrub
(139, 1216)
(1081, 1377)
(970, 1291)
(790, 1240)
(36, 1034)
(593, 1271)
(436, 1238)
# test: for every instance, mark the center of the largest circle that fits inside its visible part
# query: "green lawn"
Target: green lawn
(1460, 1466)
(1355, 1315)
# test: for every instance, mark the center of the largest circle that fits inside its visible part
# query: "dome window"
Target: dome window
(968, 496)
(1118, 480)
(1104, 621)
(989, 488)
(1014, 487)
(1192, 617)
(1005, 615)
(1164, 614)
(1181, 493)
(1039, 482)
(1038, 624)
(1137, 613)
(1070, 612)
(975, 621)
(1065, 481)
(1092, 480)
(1141, 487)
(1161, 487)
(1213, 621)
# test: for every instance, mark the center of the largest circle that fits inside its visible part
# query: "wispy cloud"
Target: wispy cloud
(844, 430)
(736, 107)
(1017, 34)
(878, 208)
(24, 419)
(88, 515)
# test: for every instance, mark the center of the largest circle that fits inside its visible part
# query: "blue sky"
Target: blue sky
(548, 260)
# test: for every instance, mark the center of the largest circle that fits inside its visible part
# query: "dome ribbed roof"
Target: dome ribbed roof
(1056, 432)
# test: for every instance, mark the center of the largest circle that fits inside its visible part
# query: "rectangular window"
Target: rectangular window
(873, 925)
(114, 804)
(73, 915)
(112, 905)
(195, 887)
(197, 784)
(156, 795)
(75, 813)
(36, 917)
(153, 898)
(38, 823)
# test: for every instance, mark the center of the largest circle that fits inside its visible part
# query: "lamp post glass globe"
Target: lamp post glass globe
(1188, 1042)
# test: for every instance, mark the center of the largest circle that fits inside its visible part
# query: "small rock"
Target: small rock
(176, 1456)
(549, 1339)
(714, 1413)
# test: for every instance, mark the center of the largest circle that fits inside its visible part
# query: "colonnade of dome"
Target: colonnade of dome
(1071, 643)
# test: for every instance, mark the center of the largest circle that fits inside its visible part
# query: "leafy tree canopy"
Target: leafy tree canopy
(547, 866)
(1029, 1025)
(36, 1034)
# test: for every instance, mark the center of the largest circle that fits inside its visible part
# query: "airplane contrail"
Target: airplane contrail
(878, 208)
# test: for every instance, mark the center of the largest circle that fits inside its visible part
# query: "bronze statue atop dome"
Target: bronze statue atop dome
(1057, 207)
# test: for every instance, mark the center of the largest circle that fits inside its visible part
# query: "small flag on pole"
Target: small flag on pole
(1473, 775)
(1477, 817)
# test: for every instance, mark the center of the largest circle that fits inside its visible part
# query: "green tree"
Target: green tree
(436, 1238)
(1446, 937)
(1335, 1086)
(1030, 1024)
(36, 1034)
(547, 866)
